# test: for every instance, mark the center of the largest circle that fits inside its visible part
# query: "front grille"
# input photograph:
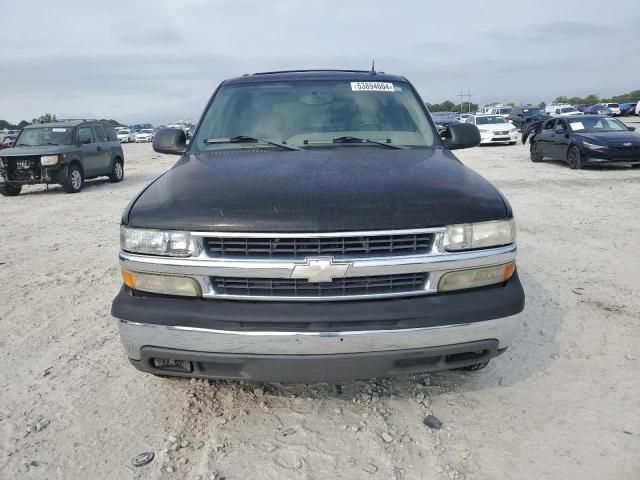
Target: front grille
(501, 133)
(294, 287)
(621, 152)
(301, 247)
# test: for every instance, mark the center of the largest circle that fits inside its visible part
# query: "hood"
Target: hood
(496, 127)
(610, 138)
(39, 150)
(333, 189)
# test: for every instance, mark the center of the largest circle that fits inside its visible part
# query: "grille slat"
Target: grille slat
(294, 287)
(384, 245)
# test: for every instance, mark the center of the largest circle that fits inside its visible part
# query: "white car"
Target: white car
(145, 135)
(614, 107)
(125, 135)
(502, 111)
(562, 110)
(494, 129)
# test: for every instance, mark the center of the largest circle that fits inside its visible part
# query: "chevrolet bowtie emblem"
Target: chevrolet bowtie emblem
(321, 269)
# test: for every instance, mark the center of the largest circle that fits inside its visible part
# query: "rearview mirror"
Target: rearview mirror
(461, 135)
(170, 140)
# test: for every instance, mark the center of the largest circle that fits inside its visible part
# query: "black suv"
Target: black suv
(67, 153)
(520, 116)
(317, 228)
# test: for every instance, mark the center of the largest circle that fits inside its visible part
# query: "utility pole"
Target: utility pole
(462, 96)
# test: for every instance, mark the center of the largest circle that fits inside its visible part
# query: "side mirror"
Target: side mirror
(170, 140)
(632, 129)
(85, 141)
(560, 131)
(461, 135)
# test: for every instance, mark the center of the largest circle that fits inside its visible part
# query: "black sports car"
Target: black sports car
(583, 140)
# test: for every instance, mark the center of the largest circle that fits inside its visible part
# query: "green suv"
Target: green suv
(66, 153)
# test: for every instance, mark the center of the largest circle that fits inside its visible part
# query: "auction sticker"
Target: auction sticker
(58, 130)
(372, 86)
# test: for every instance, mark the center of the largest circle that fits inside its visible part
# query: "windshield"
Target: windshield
(314, 113)
(597, 124)
(146, 131)
(36, 136)
(568, 109)
(504, 111)
(124, 132)
(530, 111)
(490, 120)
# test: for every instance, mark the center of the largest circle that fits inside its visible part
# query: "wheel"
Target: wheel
(535, 152)
(10, 190)
(474, 367)
(74, 181)
(512, 143)
(117, 171)
(574, 158)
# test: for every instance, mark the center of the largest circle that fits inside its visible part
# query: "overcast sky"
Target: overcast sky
(159, 61)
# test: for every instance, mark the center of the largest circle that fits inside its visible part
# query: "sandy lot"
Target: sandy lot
(563, 402)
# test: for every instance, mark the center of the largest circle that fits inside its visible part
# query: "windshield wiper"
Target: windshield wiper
(348, 139)
(247, 139)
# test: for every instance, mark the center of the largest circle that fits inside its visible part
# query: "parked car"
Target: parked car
(494, 129)
(145, 135)
(67, 153)
(317, 244)
(520, 116)
(628, 108)
(463, 116)
(615, 107)
(562, 110)
(125, 135)
(598, 110)
(582, 107)
(8, 140)
(443, 119)
(503, 111)
(586, 140)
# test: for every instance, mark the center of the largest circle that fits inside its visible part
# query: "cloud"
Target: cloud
(142, 36)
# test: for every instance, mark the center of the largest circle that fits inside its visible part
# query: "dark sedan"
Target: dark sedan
(521, 116)
(443, 120)
(584, 140)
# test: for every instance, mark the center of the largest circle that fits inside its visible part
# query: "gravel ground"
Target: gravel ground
(562, 402)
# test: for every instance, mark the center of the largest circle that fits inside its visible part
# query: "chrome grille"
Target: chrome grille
(300, 247)
(293, 287)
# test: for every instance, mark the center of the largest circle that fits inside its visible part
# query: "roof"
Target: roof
(287, 75)
(68, 123)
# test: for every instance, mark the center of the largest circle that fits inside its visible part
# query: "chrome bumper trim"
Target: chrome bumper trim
(199, 266)
(135, 335)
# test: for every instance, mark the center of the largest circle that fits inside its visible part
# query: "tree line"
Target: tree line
(630, 97)
(46, 118)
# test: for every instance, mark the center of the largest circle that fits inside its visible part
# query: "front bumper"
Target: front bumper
(283, 341)
(608, 156)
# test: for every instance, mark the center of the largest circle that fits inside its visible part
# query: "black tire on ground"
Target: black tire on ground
(74, 180)
(474, 367)
(117, 171)
(535, 153)
(10, 190)
(512, 143)
(574, 158)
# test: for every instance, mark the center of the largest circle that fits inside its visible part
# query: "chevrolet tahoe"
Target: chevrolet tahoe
(317, 227)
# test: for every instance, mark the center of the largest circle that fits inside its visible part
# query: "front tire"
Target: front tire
(574, 158)
(74, 181)
(10, 190)
(117, 171)
(535, 152)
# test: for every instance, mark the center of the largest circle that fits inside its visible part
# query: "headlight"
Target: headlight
(469, 236)
(163, 284)
(593, 146)
(476, 277)
(49, 160)
(156, 242)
